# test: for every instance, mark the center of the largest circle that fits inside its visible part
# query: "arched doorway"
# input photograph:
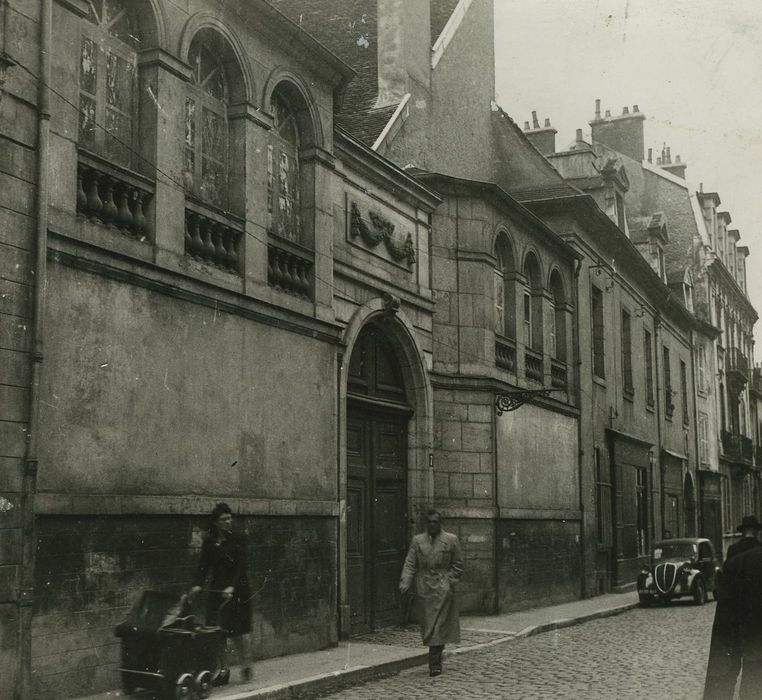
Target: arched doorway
(378, 413)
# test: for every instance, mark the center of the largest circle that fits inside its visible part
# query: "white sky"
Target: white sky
(694, 68)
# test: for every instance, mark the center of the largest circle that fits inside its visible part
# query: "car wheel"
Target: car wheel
(645, 601)
(699, 592)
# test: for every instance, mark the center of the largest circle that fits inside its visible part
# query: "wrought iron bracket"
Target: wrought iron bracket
(512, 400)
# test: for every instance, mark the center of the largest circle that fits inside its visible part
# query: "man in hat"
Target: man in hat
(435, 563)
(737, 628)
(749, 529)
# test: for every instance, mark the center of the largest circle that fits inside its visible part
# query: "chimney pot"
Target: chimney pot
(579, 136)
(526, 126)
(650, 154)
(677, 159)
(701, 187)
(547, 122)
(608, 112)
(535, 123)
(597, 109)
(635, 109)
(669, 155)
(626, 110)
(658, 161)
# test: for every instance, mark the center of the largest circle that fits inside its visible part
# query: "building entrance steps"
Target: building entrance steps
(392, 650)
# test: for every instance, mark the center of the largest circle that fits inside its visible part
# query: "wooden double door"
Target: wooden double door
(376, 514)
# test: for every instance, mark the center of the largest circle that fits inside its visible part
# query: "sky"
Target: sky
(693, 67)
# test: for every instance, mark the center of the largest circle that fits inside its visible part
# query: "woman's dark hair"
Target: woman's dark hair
(217, 511)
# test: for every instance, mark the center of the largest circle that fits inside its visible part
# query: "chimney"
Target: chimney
(623, 134)
(650, 155)
(677, 168)
(543, 138)
(403, 48)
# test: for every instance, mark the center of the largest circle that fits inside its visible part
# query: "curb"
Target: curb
(571, 621)
(339, 679)
(328, 681)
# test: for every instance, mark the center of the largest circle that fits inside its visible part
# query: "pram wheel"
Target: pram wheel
(184, 686)
(204, 684)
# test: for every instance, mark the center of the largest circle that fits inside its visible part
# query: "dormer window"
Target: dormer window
(620, 216)
(688, 291)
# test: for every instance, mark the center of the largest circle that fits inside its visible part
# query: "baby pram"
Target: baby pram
(165, 650)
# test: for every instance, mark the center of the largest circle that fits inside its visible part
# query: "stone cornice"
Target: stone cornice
(165, 61)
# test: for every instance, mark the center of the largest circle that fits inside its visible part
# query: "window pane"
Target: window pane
(287, 190)
(86, 121)
(88, 67)
(118, 136)
(270, 184)
(499, 308)
(117, 21)
(212, 181)
(190, 123)
(213, 135)
(120, 76)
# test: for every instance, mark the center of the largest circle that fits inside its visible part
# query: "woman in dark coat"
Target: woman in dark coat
(222, 568)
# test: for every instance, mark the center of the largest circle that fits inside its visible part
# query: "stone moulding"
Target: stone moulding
(377, 229)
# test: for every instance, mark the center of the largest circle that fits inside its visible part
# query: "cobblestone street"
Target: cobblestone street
(656, 653)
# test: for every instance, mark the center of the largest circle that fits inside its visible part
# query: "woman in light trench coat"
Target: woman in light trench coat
(434, 561)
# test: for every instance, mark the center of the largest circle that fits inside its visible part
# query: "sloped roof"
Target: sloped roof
(518, 165)
(348, 28)
(366, 126)
(441, 11)
(530, 194)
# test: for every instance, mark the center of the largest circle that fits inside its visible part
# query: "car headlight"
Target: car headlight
(645, 570)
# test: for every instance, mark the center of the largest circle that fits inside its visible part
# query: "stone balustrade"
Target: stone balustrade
(558, 374)
(112, 196)
(213, 238)
(289, 270)
(505, 354)
(533, 365)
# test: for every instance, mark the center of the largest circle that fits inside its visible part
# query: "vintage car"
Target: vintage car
(679, 568)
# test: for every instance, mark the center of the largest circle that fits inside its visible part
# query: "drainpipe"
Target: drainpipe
(580, 451)
(699, 512)
(29, 480)
(657, 402)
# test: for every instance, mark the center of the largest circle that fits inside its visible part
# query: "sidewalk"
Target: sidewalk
(392, 650)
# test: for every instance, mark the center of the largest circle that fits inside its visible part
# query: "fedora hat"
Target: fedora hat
(749, 522)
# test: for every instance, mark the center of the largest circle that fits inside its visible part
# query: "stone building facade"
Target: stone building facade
(233, 302)
(301, 262)
(684, 238)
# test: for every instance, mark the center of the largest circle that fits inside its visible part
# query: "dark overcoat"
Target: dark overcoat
(223, 564)
(434, 565)
(737, 628)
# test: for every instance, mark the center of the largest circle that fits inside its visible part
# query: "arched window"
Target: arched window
(532, 304)
(108, 102)
(557, 340)
(504, 276)
(206, 121)
(283, 176)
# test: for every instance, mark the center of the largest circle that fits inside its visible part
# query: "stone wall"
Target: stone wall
(92, 569)
(538, 563)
